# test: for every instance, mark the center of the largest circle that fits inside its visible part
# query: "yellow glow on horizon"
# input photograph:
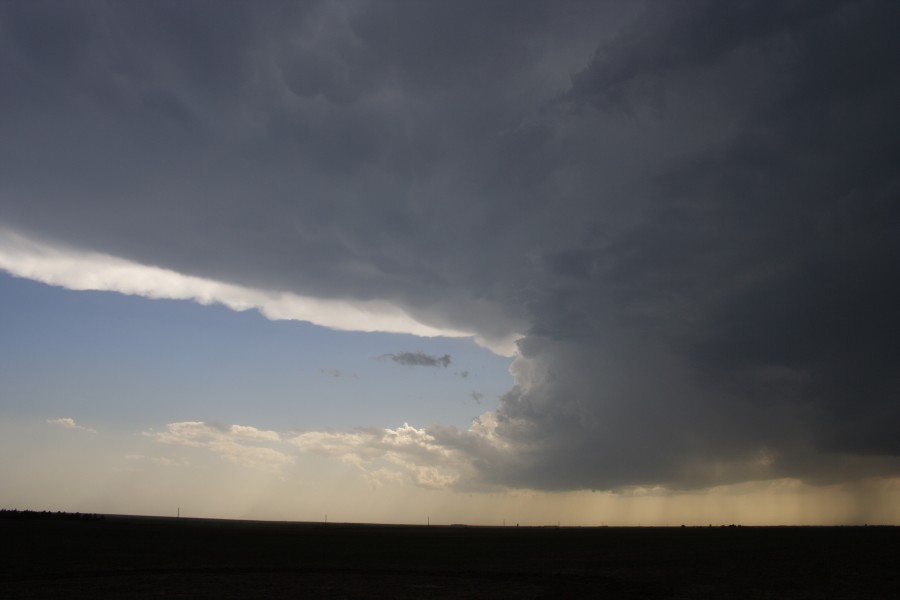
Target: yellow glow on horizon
(84, 472)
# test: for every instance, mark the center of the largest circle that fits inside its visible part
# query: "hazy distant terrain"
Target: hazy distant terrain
(140, 557)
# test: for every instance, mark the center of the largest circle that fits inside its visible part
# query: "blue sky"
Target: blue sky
(109, 359)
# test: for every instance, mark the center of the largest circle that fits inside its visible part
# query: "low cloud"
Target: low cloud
(239, 444)
(418, 359)
(432, 457)
(70, 424)
(387, 454)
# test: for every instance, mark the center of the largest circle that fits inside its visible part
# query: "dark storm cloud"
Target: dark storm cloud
(419, 359)
(741, 327)
(690, 209)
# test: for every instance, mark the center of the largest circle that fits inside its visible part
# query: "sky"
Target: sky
(469, 262)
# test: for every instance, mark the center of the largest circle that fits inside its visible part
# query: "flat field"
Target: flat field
(143, 557)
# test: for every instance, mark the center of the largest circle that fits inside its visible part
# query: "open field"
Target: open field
(142, 557)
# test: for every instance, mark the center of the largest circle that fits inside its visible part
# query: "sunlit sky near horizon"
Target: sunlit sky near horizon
(613, 262)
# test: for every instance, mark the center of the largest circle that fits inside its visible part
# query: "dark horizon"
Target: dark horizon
(149, 557)
(14, 513)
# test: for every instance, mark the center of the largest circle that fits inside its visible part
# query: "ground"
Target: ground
(141, 557)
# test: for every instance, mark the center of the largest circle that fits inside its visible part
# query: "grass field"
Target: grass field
(143, 557)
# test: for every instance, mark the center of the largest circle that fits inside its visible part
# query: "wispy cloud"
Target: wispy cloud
(418, 359)
(239, 444)
(433, 457)
(406, 449)
(70, 424)
(428, 458)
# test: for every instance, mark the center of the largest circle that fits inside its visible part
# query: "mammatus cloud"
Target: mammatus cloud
(687, 210)
(239, 444)
(418, 359)
(70, 424)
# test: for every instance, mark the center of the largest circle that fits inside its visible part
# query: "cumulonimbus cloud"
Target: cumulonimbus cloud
(698, 246)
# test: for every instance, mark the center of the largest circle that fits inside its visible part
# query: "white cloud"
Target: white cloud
(76, 269)
(70, 424)
(252, 433)
(384, 454)
(239, 444)
(437, 458)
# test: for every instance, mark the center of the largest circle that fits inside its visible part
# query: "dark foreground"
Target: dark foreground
(131, 557)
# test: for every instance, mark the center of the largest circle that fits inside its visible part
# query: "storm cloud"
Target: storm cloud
(686, 213)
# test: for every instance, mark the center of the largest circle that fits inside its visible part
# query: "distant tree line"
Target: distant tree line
(46, 514)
